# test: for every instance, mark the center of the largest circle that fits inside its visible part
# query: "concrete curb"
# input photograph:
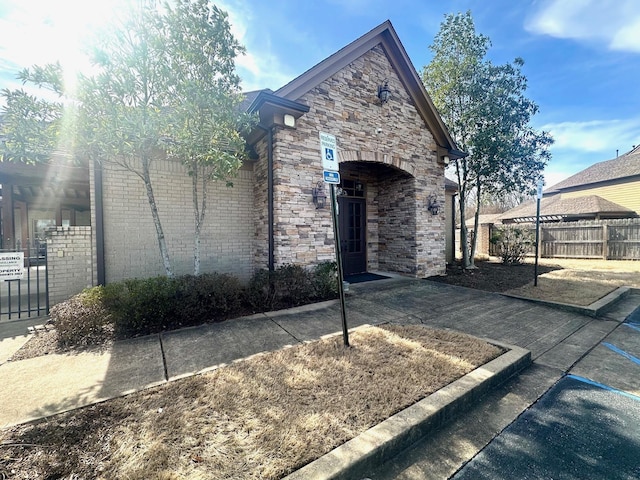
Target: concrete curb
(359, 457)
(595, 310)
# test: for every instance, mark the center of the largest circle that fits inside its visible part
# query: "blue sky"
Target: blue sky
(582, 57)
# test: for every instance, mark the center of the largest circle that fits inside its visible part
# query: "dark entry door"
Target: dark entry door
(352, 221)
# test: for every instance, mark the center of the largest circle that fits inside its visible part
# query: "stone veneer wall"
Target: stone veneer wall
(411, 240)
(131, 246)
(70, 261)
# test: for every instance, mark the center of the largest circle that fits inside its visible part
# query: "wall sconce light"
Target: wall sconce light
(384, 93)
(446, 160)
(319, 197)
(433, 205)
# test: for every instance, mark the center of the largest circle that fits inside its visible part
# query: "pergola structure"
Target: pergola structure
(35, 197)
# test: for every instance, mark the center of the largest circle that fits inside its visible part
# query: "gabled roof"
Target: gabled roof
(385, 35)
(627, 165)
(558, 208)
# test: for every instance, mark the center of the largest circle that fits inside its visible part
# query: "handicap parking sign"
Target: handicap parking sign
(328, 154)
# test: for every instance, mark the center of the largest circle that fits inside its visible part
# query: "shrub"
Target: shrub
(288, 286)
(259, 294)
(207, 297)
(141, 306)
(325, 280)
(82, 320)
(293, 286)
(513, 243)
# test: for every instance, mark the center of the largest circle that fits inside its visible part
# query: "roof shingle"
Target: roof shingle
(557, 206)
(627, 165)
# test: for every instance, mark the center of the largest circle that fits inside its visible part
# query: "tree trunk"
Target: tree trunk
(462, 199)
(474, 237)
(162, 244)
(199, 214)
(463, 234)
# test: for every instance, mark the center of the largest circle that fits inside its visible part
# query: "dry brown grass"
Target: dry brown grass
(260, 418)
(581, 282)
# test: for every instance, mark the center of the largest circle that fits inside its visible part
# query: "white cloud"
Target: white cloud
(614, 22)
(259, 68)
(602, 136)
(580, 144)
(552, 177)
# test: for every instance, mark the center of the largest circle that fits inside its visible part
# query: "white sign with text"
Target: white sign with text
(329, 152)
(11, 265)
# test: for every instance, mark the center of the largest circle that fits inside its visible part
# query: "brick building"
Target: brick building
(392, 155)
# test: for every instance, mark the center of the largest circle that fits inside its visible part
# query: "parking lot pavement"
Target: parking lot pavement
(578, 430)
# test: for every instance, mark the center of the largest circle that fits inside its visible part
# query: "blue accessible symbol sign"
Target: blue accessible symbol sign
(328, 154)
(331, 177)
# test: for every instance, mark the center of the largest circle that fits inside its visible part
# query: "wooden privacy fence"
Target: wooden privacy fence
(605, 239)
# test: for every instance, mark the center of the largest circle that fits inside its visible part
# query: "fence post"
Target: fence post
(605, 242)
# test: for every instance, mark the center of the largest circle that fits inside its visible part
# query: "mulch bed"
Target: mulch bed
(491, 276)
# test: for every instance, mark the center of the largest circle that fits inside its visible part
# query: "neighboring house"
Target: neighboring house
(486, 222)
(605, 190)
(393, 208)
(556, 208)
(608, 190)
(616, 181)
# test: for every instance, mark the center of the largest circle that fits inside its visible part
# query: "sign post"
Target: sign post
(331, 175)
(538, 198)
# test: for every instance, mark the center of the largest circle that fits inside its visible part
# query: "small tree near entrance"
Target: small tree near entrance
(488, 115)
(164, 83)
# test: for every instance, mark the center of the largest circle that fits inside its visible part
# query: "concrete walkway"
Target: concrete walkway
(44, 386)
(604, 351)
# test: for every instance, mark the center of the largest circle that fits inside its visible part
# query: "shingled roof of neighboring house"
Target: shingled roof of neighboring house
(450, 185)
(627, 165)
(558, 208)
(484, 219)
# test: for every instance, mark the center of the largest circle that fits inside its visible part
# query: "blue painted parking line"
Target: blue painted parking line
(626, 355)
(603, 386)
(635, 326)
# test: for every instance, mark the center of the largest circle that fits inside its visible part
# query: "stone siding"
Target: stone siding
(70, 261)
(392, 142)
(131, 245)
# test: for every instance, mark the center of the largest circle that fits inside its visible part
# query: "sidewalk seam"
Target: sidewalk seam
(285, 330)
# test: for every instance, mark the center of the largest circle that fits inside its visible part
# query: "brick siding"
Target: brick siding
(70, 261)
(131, 246)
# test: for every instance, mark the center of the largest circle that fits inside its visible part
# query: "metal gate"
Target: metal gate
(28, 297)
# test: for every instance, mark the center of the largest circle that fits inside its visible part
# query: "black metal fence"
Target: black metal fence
(29, 296)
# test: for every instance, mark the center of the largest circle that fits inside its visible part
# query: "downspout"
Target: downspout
(99, 205)
(270, 214)
(453, 227)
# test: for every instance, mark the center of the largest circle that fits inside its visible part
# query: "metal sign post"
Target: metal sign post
(538, 198)
(336, 236)
(331, 175)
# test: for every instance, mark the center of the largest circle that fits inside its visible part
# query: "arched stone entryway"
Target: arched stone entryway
(378, 214)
